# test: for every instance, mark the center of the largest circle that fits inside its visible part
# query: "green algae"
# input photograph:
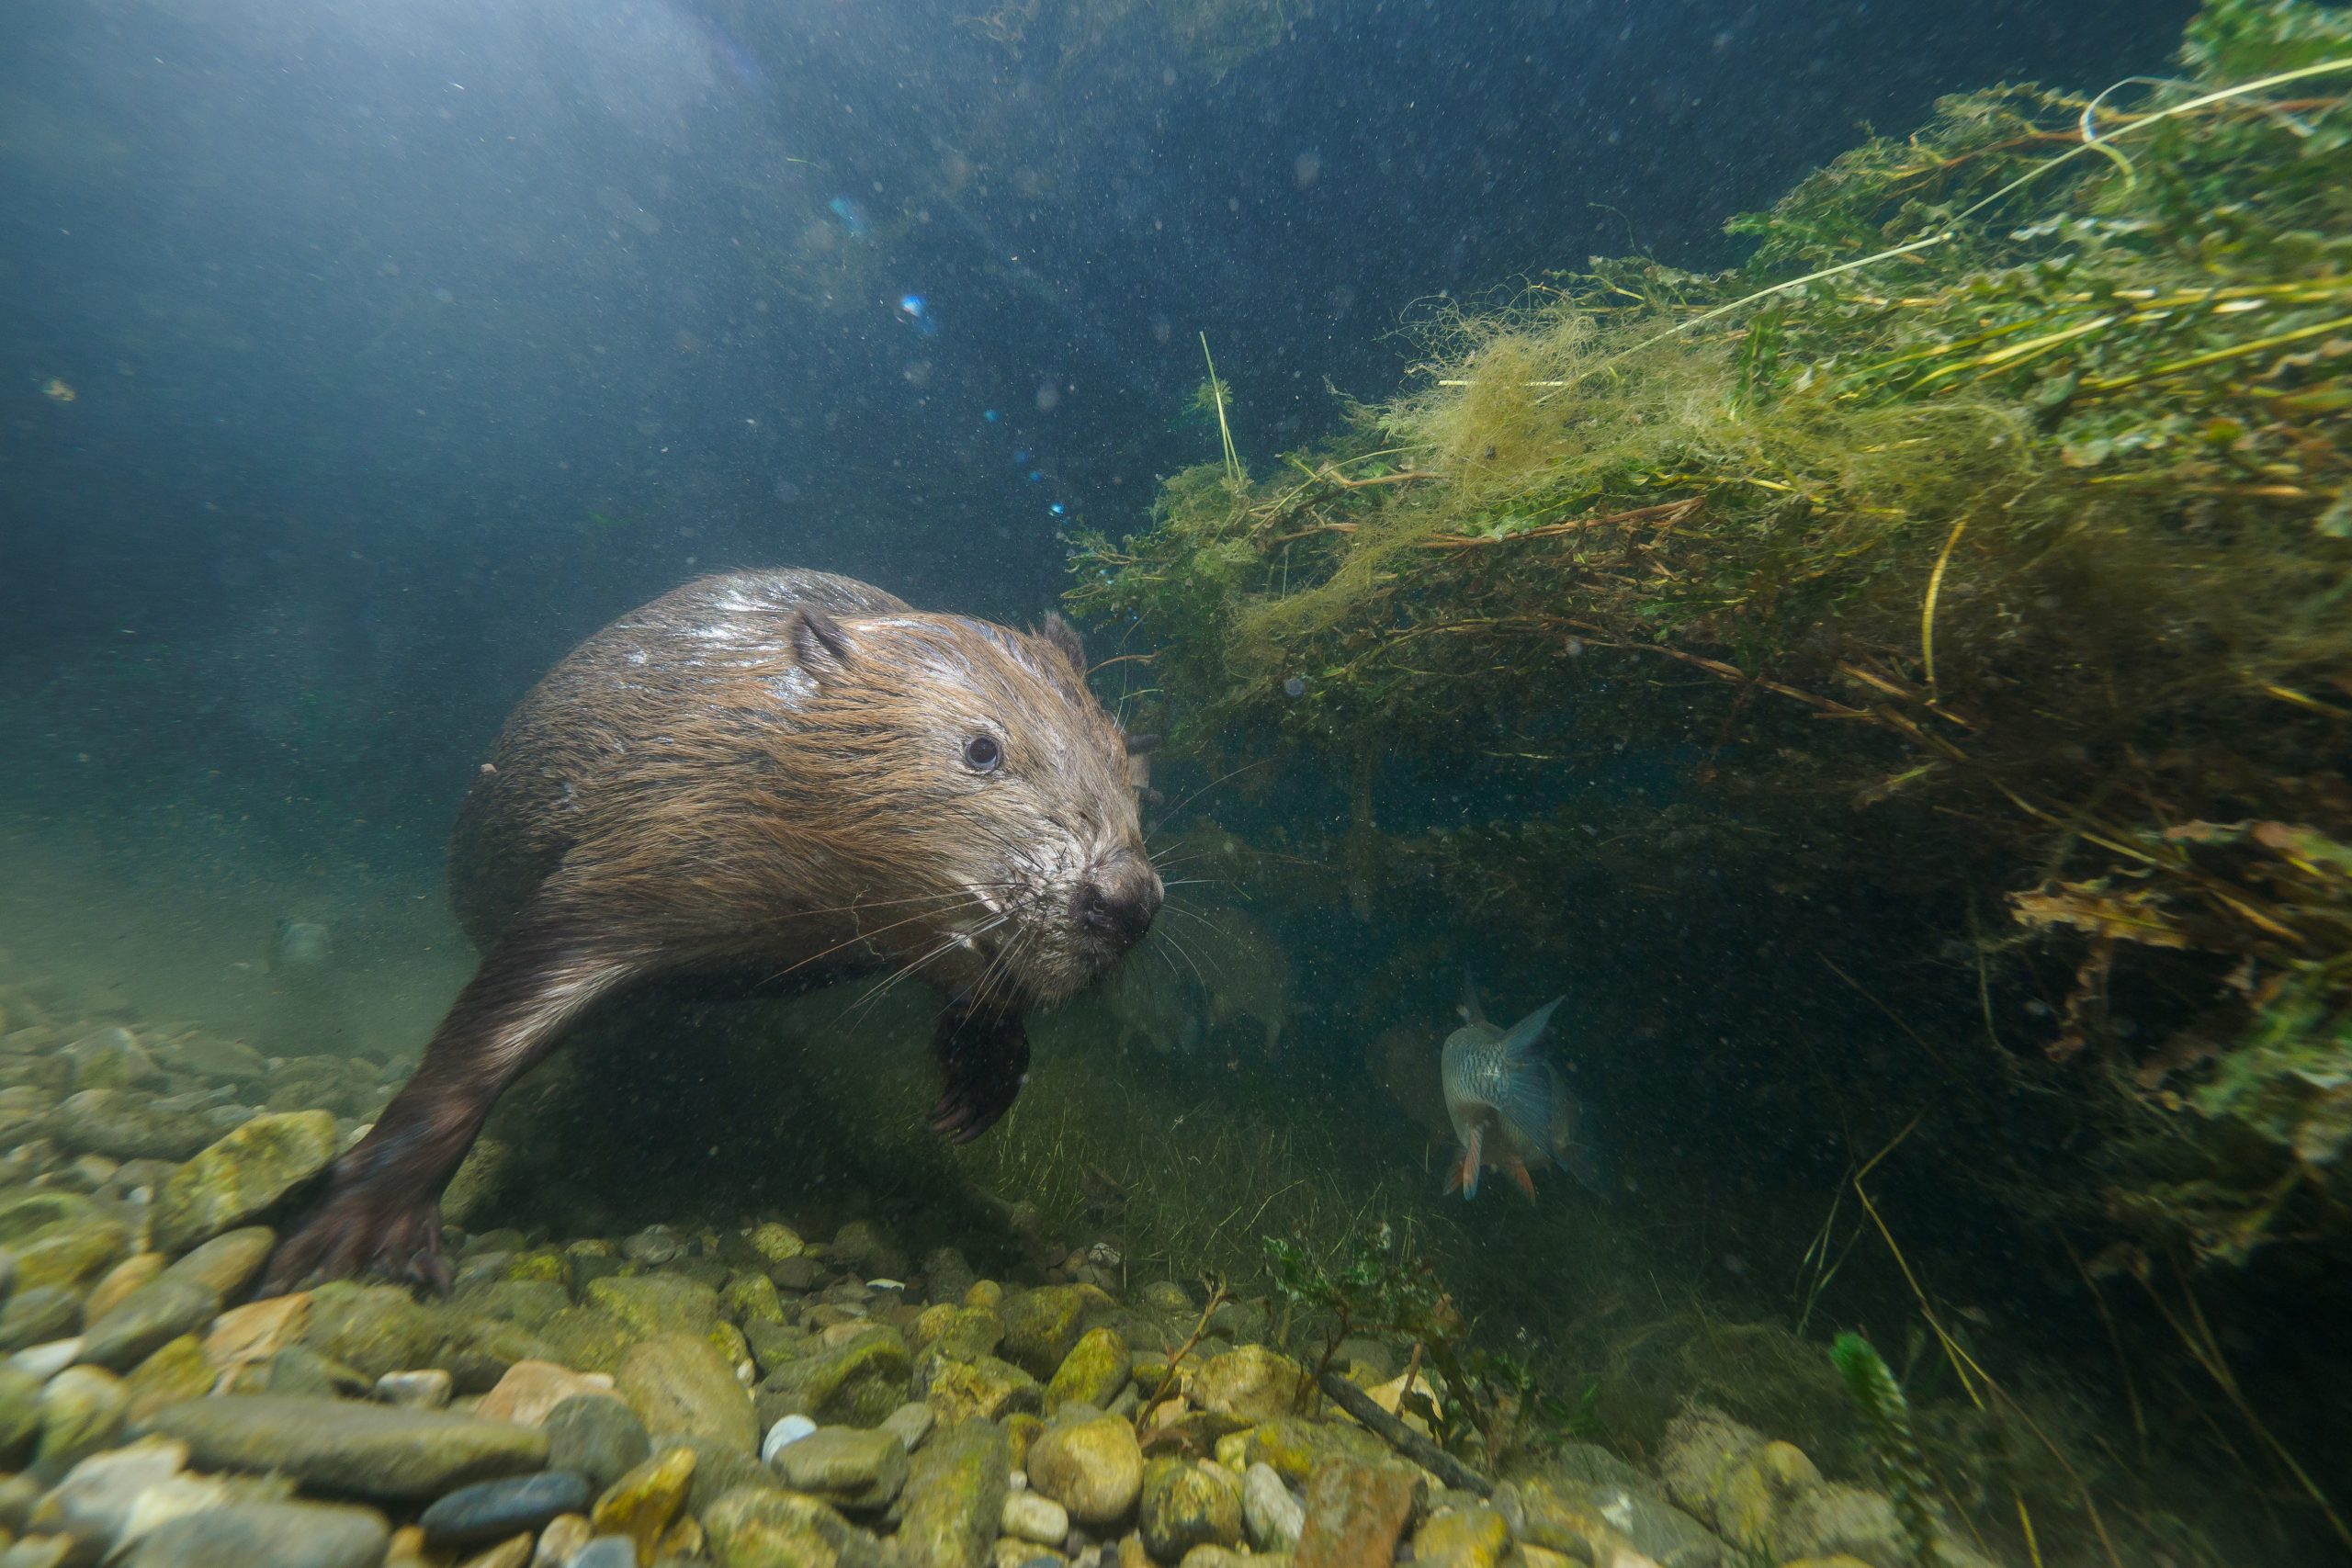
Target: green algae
(1990, 527)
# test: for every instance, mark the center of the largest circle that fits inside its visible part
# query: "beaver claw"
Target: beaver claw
(359, 1231)
(986, 1058)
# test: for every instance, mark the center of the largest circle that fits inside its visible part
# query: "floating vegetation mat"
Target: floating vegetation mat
(1991, 527)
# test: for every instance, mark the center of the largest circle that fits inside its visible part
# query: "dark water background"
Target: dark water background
(410, 342)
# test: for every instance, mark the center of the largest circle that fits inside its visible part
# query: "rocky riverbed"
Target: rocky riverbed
(745, 1396)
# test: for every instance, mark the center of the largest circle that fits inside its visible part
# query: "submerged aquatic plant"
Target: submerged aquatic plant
(1886, 1416)
(1998, 509)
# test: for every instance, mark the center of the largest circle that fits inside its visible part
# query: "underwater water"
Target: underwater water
(1749, 931)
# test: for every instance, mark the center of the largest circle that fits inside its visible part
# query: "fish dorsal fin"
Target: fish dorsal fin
(1472, 1013)
(1529, 1030)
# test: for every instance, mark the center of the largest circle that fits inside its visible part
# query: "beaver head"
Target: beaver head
(968, 765)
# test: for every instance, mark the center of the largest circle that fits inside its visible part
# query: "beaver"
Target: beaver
(778, 778)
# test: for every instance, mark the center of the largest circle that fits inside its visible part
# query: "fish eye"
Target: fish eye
(982, 753)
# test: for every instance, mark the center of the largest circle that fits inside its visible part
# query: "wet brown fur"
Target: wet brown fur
(763, 775)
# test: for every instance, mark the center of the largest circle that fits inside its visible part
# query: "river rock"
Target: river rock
(1293, 1446)
(119, 1282)
(782, 1435)
(531, 1390)
(123, 1124)
(37, 1316)
(177, 1370)
(257, 1330)
(493, 1510)
(111, 1058)
(776, 1243)
(751, 1298)
(1041, 1326)
(81, 1411)
(954, 1497)
(598, 1435)
(1092, 1373)
(1092, 1468)
(19, 1416)
(648, 1304)
(846, 1466)
(853, 1385)
(283, 1535)
(1185, 1504)
(369, 1451)
(239, 1176)
(910, 1423)
(1355, 1513)
(1030, 1517)
(987, 1388)
(94, 1501)
(153, 1315)
(227, 1263)
(31, 1215)
(1462, 1538)
(958, 1333)
(426, 1388)
(680, 1385)
(1269, 1513)
(641, 1504)
(1586, 1521)
(373, 1329)
(68, 1258)
(1252, 1384)
(765, 1526)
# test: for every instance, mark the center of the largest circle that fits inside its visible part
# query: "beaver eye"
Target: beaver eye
(982, 753)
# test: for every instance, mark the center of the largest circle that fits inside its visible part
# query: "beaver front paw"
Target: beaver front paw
(986, 1058)
(363, 1228)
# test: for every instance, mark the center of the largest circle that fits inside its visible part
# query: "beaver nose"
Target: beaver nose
(1118, 901)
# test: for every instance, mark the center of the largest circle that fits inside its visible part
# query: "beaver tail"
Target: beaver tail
(381, 1207)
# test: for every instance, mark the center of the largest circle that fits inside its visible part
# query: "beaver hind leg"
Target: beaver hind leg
(381, 1209)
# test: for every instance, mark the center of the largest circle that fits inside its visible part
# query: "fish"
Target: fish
(1511, 1109)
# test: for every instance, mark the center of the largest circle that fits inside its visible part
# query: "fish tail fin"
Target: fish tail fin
(1523, 1035)
(1466, 1176)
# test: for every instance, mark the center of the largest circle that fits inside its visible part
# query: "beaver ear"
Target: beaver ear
(818, 642)
(1064, 636)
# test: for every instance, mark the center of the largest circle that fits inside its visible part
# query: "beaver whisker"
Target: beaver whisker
(1162, 825)
(856, 1010)
(860, 938)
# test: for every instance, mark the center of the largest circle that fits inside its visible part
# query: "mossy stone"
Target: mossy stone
(81, 1411)
(854, 1385)
(987, 1388)
(1040, 1328)
(681, 1386)
(1252, 1383)
(958, 1333)
(37, 1316)
(776, 1243)
(373, 1329)
(19, 1415)
(177, 1370)
(1092, 1468)
(241, 1174)
(68, 1258)
(1186, 1503)
(1292, 1446)
(751, 1298)
(33, 1215)
(648, 1304)
(954, 1497)
(760, 1526)
(641, 1504)
(586, 1339)
(1092, 1373)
